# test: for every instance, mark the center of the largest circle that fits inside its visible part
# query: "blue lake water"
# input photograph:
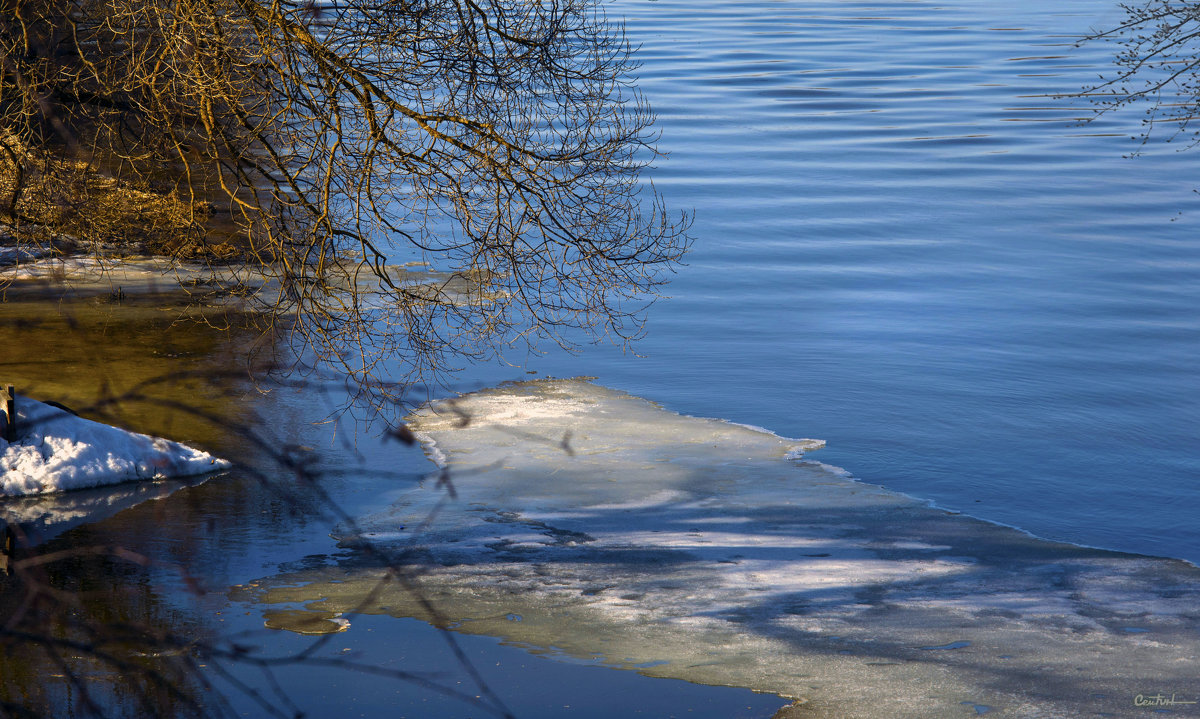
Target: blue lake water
(907, 246)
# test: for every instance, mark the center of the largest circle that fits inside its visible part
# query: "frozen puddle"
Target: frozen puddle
(600, 525)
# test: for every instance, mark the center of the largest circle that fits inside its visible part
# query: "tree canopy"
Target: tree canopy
(317, 146)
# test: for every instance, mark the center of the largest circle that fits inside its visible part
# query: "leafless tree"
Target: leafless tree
(1158, 68)
(316, 147)
(311, 150)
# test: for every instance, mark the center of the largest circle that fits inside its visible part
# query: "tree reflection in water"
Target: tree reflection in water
(121, 616)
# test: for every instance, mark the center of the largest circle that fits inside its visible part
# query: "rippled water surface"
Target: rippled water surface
(908, 246)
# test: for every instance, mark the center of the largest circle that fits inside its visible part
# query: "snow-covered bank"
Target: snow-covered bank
(601, 525)
(56, 451)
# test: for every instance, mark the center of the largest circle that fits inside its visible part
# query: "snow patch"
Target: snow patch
(56, 451)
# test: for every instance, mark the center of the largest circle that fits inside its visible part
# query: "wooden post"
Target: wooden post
(10, 414)
(7, 541)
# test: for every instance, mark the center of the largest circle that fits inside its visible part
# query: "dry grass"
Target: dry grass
(73, 205)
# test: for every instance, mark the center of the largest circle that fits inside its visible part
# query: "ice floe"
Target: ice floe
(717, 553)
(55, 451)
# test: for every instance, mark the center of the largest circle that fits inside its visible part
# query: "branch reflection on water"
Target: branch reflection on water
(108, 601)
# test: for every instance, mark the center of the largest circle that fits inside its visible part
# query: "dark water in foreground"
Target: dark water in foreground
(905, 246)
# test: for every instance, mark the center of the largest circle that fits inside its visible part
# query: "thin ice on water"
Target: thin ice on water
(718, 553)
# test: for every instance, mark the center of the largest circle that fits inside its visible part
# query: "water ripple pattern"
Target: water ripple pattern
(907, 245)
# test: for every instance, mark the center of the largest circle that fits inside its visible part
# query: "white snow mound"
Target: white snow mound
(56, 451)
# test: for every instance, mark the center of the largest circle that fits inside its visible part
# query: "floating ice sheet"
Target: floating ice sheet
(713, 552)
(56, 451)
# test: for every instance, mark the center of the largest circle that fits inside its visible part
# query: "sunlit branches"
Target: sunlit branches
(1158, 61)
(500, 142)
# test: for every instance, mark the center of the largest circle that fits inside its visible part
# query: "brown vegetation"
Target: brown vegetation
(315, 148)
(54, 197)
(318, 144)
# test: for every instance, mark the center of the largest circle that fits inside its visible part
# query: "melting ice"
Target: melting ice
(718, 553)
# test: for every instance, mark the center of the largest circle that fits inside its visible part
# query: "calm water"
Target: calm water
(904, 246)
(907, 247)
